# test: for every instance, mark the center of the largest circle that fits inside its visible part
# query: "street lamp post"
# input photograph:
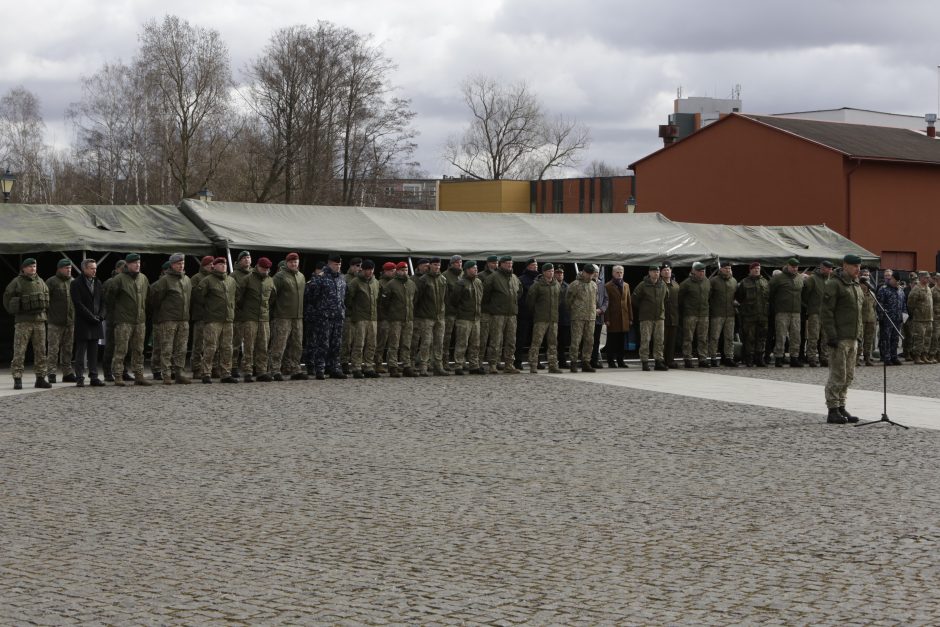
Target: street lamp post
(631, 205)
(204, 194)
(7, 181)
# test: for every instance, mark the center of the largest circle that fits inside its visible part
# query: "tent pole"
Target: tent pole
(103, 258)
(9, 265)
(69, 258)
(228, 254)
(411, 267)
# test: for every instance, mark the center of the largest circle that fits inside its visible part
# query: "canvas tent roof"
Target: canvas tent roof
(138, 228)
(629, 239)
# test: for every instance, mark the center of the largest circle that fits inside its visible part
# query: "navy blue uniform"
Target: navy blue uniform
(324, 312)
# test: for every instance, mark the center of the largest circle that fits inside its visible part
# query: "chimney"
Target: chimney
(931, 119)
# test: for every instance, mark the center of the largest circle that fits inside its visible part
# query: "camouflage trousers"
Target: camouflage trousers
(786, 326)
(695, 327)
(719, 326)
(129, 339)
(816, 340)
(399, 343)
(287, 337)
(484, 333)
(430, 340)
(582, 341)
(324, 343)
(753, 338)
(868, 339)
(60, 341)
(467, 343)
(549, 332)
(362, 355)
(171, 338)
(651, 330)
(502, 342)
(238, 340)
(197, 326)
(255, 337)
(25, 333)
(450, 326)
(841, 372)
(907, 330)
(217, 336)
(381, 341)
(935, 339)
(346, 348)
(920, 342)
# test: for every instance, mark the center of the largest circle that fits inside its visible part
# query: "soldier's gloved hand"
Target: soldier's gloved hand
(832, 343)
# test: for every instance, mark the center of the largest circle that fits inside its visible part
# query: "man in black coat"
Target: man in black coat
(88, 297)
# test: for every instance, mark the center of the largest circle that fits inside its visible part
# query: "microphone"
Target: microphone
(863, 280)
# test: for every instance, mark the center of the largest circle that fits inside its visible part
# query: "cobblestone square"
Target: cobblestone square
(497, 500)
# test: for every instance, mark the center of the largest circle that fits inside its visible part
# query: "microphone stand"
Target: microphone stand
(884, 365)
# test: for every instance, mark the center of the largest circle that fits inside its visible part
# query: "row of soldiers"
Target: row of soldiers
(356, 322)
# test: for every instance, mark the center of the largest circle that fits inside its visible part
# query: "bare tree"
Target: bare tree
(602, 168)
(510, 136)
(21, 143)
(188, 79)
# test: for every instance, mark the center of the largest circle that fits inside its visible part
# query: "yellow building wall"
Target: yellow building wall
(487, 196)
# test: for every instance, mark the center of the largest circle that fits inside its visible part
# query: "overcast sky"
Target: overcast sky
(613, 64)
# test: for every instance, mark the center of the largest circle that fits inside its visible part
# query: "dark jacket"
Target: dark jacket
(466, 298)
(650, 300)
(672, 303)
(89, 308)
(501, 294)
(526, 280)
(127, 299)
(813, 289)
(753, 296)
(542, 300)
(253, 298)
(217, 293)
(170, 297)
(398, 300)
(27, 299)
(786, 292)
(195, 306)
(841, 313)
(693, 297)
(61, 311)
(721, 296)
(564, 316)
(452, 276)
(362, 299)
(290, 286)
(430, 296)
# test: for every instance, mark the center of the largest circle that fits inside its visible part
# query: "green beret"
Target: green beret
(793, 261)
(698, 265)
(29, 261)
(492, 258)
(470, 263)
(852, 260)
(548, 266)
(505, 258)
(243, 254)
(63, 263)
(165, 265)
(590, 268)
(132, 257)
(653, 267)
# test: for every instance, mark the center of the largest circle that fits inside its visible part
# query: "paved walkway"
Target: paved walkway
(912, 411)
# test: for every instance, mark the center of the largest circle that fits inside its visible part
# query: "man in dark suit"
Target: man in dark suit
(88, 297)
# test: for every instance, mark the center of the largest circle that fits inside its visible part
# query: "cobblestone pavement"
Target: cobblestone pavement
(498, 500)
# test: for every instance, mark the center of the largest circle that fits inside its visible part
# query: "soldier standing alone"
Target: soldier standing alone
(842, 318)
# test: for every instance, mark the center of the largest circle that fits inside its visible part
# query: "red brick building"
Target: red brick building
(599, 194)
(878, 186)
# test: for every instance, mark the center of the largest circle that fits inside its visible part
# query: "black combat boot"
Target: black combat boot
(42, 383)
(69, 378)
(760, 360)
(410, 372)
(229, 379)
(835, 417)
(338, 374)
(704, 363)
(207, 380)
(622, 364)
(778, 362)
(660, 366)
(248, 379)
(320, 375)
(17, 383)
(265, 378)
(645, 366)
(299, 376)
(611, 363)
(589, 368)
(277, 377)
(52, 378)
(715, 362)
(795, 362)
(357, 374)
(371, 374)
(845, 414)
(688, 363)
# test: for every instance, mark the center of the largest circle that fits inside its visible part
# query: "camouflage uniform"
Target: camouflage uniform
(170, 298)
(501, 296)
(816, 340)
(868, 324)
(842, 318)
(452, 275)
(238, 338)
(934, 353)
(288, 328)
(362, 299)
(753, 296)
(27, 300)
(108, 357)
(429, 322)
(693, 307)
(398, 297)
(464, 301)
(346, 348)
(581, 299)
(253, 298)
(324, 315)
(60, 333)
(197, 320)
(542, 301)
(650, 301)
(786, 298)
(485, 316)
(217, 294)
(128, 300)
(920, 306)
(381, 332)
(721, 315)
